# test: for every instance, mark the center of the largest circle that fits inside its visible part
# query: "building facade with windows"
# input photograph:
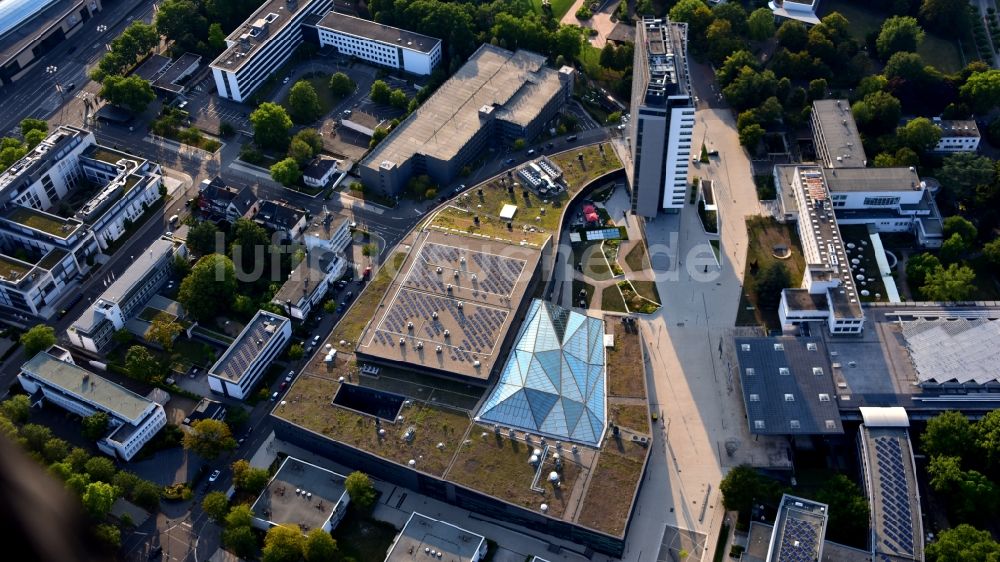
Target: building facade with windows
(957, 136)
(239, 369)
(263, 43)
(53, 377)
(308, 283)
(379, 43)
(29, 29)
(662, 118)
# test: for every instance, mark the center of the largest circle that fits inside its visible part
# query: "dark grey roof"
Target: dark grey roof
(279, 215)
(367, 29)
(773, 369)
(841, 180)
(152, 68)
(319, 167)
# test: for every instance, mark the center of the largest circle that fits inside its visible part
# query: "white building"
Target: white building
(126, 296)
(303, 495)
(331, 234)
(262, 44)
(957, 136)
(804, 11)
(379, 44)
(321, 171)
(436, 540)
(239, 369)
(662, 118)
(308, 283)
(134, 420)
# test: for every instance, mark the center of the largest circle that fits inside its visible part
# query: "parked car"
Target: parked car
(531, 152)
(284, 385)
(571, 138)
(509, 162)
(215, 476)
(274, 397)
(290, 375)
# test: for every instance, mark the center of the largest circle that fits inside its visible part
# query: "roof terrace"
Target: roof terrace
(41, 221)
(301, 494)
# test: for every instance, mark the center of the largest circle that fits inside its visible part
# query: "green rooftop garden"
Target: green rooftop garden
(609, 499)
(12, 269)
(107, 155)
(625, 367)
(44, 222)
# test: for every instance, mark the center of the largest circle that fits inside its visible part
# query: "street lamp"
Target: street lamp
(51, 71)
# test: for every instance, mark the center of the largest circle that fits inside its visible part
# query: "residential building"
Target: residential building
(302, 495)
(281, 217)
(799, 10)
(379, 43)
(52, 376)
(29, 29)
(659, 133)
(263, 43)
(496, 97)
(331, 234)
(320, 171)
(835, 135)
(307, 284)
(957, 136)
(239, 369)
(226, 202)
(126, 297)
(424, 537)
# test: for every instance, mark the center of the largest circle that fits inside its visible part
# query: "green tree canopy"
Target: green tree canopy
(964, 172)
(241, 541)
(100, 469)
(109, 535)
(216, 506)
(750, 88)
(793, 35)
(899, 33)
(33, 137)
(283, 543)
(743, 485)
(131, 92)
(16, 408)
(733, 64)
(696, 14)
(982, 90)
(761, 24)
(733, 13)
(770, 281)
(210, 286)
(239, 516)
(751, 135)
(988, 437)
(311, 138)
(98, 498)
(55, 450)
(209, 438)
(341, 84)
(202, 238)
(919, 266)
(991, 251)
(320, 546)
(163, 330)
(948, 434)
(300, 152)
(952, 249)
(39, 338)
(380, 92)
(29, 124)
(963, 543)
(286, 172)
(141, 365)
(271, 125)
(303, 102)
(877, 112)
(962, 226)
(848, 509)
(944, 15)
(398, 99)
(216, 38)
(181, 21)
(95, 425)
(954, 283)
(919, 134)
(360, 489)
(35, 436)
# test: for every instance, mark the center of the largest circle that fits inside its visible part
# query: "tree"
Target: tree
(202, 238)
(962, 227)
(38, 338)
(300, 151)
(770, 282)
(982, 90)
(963, 543)
(992, 252)
(311, 138)
(33, 137)
(817, 89)
(948, 434)
(761, 24)
(988, 436)
(899, 33)
(953, 248)
(239, 516)
(180, 266)
(733, 13)
(210, 286)
(246, 477)
(141, 365)
(696, 14)
(743, 485)
(241, 541)
(145, 494)
(954, 283)
(95, 425)
(733, 64)
(132, 92)
(918, 267)
(751, 135)
(377, 135)
(98, 497)
(286, 172)
(320, 546)
(283, 543)
(398, 99)
(209, 438)
(216, 506)
(295, 352)
(35, 436)
(341, 84)
(964, 172)
(180, 20)
(271, 125)
(380, 92)
(77, 459)
(793, 35)
(163, 330)
(944, 15)
(919, 134)
(100, 469)
(29, 124)
(945, 473)
(216, 38)
(303, 102)
(750, 88)
(878, 112)
(360, 489)
(16, 408)
(109, 535)
(55, 450)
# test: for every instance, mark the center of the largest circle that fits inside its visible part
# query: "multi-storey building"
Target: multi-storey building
(379, 43)
(662, 117)
(308, 282)
(957, 136)
(835, 135)
(29, 29)
(264, 42)
(497, 96)
(226, 202)
(126, 296)
(134, 420)
(236, 373)
(803, 11)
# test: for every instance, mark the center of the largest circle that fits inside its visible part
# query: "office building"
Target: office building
(803, 11)
(662, 118)
(496, 97)
(835, 135)
(797, 535)
(262, 44)
(52, 376)
(332, 233)
(379, 43)
(426, 538)
(239, 369)
(126, 297)
(222, 202)
(308, 283)
(303, 496)
(957, 136)
(29, 29)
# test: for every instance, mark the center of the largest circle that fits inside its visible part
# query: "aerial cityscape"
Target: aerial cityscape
(507, 280)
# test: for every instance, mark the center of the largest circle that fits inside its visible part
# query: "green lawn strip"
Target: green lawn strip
(763, 233)
(634, 301)
(636, 258)
(611, 300)
(610, 249)
(647, 290)
(587, 288)
(592, 260)
(716, 250)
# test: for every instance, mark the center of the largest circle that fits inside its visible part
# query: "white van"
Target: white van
(174, 219)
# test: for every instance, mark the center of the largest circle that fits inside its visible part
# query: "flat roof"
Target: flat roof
(42, 153)
(788, 386)
(367, 29)
(308, 276)
(15, 15)
(326, 228)
(799, 530)
(422, 534)
(759, 540)
(893, 496)
(255, 337)
(840, 133)
(50, 224)
(844, 180)
(13, 269)
(177, 68)
(87, 386)
(152, 68)
(459, 293)
(517, 84)
(300, 494)
(957, 350)
(662, 47)
(958, 128)
(234, 57)
(140, 267)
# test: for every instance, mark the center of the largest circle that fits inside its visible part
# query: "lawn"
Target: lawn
(587, 288)
(189, 353)
(765, 187)
(636, 259)
(321, 83)
(559, 7)
(634, 301)
(763, 234)
(350, 326)
(630, 416)
(626, 374)
(362, 538)
(497, 465)
(611, 300)
(647, 290)
(716, 250)
(609, 498)
(591, 260)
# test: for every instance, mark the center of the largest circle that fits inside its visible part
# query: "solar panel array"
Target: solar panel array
(247, 348)
(897, 519)
(799, 542)
(496, 274)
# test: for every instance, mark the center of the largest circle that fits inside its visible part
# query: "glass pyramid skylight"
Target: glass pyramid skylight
(553, 382)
